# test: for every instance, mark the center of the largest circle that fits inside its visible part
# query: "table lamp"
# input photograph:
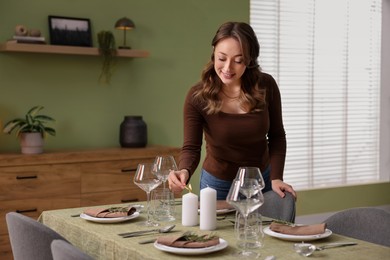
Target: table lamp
(124, 24)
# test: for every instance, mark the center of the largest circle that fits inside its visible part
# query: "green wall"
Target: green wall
(339, 198)
(177, 33)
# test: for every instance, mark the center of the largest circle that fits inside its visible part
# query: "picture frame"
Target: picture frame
(70, 31)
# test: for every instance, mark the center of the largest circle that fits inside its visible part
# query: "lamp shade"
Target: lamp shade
(124, 24)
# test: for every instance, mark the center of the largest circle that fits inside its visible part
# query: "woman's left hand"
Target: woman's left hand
(280, 187)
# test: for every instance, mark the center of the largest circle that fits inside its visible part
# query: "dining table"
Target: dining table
(101, 240)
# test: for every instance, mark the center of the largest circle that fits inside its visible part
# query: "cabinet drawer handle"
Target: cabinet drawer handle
(26, 210)
(26, 177)
(129, 200)
(128, 170)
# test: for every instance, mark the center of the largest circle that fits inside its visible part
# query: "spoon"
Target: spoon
(307, 249)
(139, 233)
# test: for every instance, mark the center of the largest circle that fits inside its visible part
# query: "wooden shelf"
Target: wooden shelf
(67, 50)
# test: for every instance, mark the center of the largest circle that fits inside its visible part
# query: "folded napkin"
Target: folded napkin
(222, 204)
(113, 212)
(303, 230)
(188, 240)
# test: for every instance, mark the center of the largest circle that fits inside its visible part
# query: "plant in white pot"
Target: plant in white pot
(31, 130)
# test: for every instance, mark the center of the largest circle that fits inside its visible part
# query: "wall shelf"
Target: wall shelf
(67, 50)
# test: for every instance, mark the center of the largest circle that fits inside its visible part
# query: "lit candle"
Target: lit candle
(189, 215)
(208, 209)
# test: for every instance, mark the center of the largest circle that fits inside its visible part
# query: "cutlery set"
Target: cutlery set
(307, 249)
(304, 249)
(147, 241)
(165, 229)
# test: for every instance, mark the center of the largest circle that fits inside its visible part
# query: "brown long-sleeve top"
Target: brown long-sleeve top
(255, 139)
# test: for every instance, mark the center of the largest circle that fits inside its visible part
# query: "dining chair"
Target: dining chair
(277, 207)
(63, 250)
(364, 223)
(29, 238)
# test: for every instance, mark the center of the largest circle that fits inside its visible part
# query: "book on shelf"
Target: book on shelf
(29, 39)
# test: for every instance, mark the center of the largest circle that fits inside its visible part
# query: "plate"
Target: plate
(271, 233)
(138, 207)
(222, 211)
(192, 251)
(225, 211)
(109, 220)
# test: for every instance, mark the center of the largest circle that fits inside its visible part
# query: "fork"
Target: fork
(331, 245)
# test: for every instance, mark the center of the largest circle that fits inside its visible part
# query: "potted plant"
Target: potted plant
(31, 130)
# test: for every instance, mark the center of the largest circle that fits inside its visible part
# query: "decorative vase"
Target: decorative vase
(31, 143)
(133, 132)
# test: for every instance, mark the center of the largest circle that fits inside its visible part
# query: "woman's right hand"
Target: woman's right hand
(177, 180)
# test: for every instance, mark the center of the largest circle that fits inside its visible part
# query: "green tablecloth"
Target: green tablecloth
(102, 242)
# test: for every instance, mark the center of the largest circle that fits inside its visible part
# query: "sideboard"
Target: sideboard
(30, 184)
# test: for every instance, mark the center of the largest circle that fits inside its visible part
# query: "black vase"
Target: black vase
(133, 132)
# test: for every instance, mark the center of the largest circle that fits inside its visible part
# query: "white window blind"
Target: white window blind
(325, 56)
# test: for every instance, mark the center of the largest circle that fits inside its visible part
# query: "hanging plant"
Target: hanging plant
(107, 49)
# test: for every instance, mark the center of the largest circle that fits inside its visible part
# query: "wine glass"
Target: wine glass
(254, 183)
(252, 235)
(245, 196)
(146, 179)
(164, 165)
(252, 173)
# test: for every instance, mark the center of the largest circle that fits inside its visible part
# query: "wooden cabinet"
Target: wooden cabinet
(38, 181)
(30, 184)
(110, 182)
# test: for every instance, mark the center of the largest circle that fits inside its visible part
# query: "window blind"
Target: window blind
(325, 56)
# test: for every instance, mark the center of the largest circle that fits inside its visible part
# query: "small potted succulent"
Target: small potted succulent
(31, 130)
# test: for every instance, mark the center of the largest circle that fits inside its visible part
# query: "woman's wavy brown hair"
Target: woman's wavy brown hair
(210, 84)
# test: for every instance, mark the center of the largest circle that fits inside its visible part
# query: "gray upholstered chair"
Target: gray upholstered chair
(29, 238)
(62, 250)
(368, 224)
(278, 208)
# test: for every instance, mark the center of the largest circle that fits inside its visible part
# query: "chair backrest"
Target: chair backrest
(63, 250)
(366, 223)
(277, 207)
(29, 238)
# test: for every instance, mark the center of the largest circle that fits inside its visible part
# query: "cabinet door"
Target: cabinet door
(112, 197)
(109, 176)
(110, 182)
(33, 207)
(41, 181)
(5, 248)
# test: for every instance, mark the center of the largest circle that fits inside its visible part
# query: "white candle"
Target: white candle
(189, 215)
(208, 209)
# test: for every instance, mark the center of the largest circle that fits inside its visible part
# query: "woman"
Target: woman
(238, 109)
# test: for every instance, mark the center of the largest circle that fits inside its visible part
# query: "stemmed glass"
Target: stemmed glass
(251, 173)
(146, 179)
(164, 165)
(245, 196)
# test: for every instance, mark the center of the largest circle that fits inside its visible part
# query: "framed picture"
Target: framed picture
(70, 31)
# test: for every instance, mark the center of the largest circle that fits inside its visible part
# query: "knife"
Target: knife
(147, 241)
(331, 245)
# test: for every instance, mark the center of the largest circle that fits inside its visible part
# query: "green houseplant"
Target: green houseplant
(107, 50)
(31, 130)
